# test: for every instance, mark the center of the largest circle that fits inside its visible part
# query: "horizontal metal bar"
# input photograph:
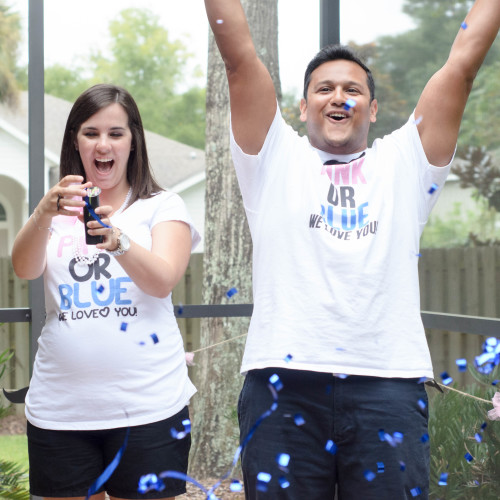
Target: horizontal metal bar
(464, 324)
(214, 311)
(440, 321)
(15, 315)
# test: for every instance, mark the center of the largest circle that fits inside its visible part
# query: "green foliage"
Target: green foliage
(12, 476)
(10, 36)
(290, 109)
(64, 82)
(151, 67)
(480, 127)
(11, 479)
(454, 421)
(477, 227)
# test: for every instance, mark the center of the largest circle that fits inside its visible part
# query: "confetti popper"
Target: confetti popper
(274, 387)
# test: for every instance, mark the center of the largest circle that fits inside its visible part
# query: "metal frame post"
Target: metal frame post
(36, 151)
(329, 22)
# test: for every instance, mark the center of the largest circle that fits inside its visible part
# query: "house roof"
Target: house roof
(173, 163)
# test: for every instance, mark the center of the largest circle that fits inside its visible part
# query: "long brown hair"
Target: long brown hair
(139, 173)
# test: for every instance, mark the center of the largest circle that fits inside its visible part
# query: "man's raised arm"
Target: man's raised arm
(443, 100)
(251, 90)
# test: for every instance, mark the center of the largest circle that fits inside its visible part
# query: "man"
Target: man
(335, 227)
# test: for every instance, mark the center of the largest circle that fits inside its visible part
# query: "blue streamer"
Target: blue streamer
(274, 386)
(93, 214)
(109, 469)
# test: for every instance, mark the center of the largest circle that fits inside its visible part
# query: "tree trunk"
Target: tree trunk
(227, 261)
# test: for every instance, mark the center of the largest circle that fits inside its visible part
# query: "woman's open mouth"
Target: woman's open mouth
(103, 165)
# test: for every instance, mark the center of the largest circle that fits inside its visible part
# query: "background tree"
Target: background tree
(10, 36)
(227, 260)
(151, 67)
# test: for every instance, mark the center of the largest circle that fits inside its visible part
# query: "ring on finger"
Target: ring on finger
(58, 200)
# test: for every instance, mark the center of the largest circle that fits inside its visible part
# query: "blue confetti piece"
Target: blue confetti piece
(398, 437)
(284, 483)
(331, 447)
(283, 459)
(415, 492)
(150, 482)
(424, 438)
(369, 475)
(263, 479)
(299, 420)
(288, 358)
(434, 187)
(381, 435)
(461, 364)
(478, 437)
(402, 466)
(275, 381)
(483, 426)
(100, 289)
(181, 434)
(109, 469)
(235, 485)
(350, 103)
(231, 292)
(468, 457)
(443, 479)
(464, 25)
(495, 382)
(180, 309)
(155, 338)
(447, 380)
(380, 467)
(422, 404)
(418, 254)
(422, 380)
(123, 326)
(342, 376)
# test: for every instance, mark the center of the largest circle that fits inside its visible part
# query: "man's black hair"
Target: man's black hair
(335, 52)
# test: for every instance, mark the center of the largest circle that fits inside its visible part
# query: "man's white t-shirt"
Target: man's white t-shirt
(335, 254)
(109, 354)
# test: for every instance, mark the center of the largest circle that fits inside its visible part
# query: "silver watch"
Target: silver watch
(123, 245)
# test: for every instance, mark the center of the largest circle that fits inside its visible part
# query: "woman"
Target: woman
(110, 355)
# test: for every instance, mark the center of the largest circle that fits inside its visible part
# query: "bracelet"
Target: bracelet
(35, 220)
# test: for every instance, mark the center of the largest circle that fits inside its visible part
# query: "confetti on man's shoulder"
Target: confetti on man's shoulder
(434, 187)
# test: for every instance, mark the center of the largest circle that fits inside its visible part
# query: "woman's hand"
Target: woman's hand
(64, 198)
(110, 234)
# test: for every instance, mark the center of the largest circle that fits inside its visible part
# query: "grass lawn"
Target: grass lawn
(14, 449)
